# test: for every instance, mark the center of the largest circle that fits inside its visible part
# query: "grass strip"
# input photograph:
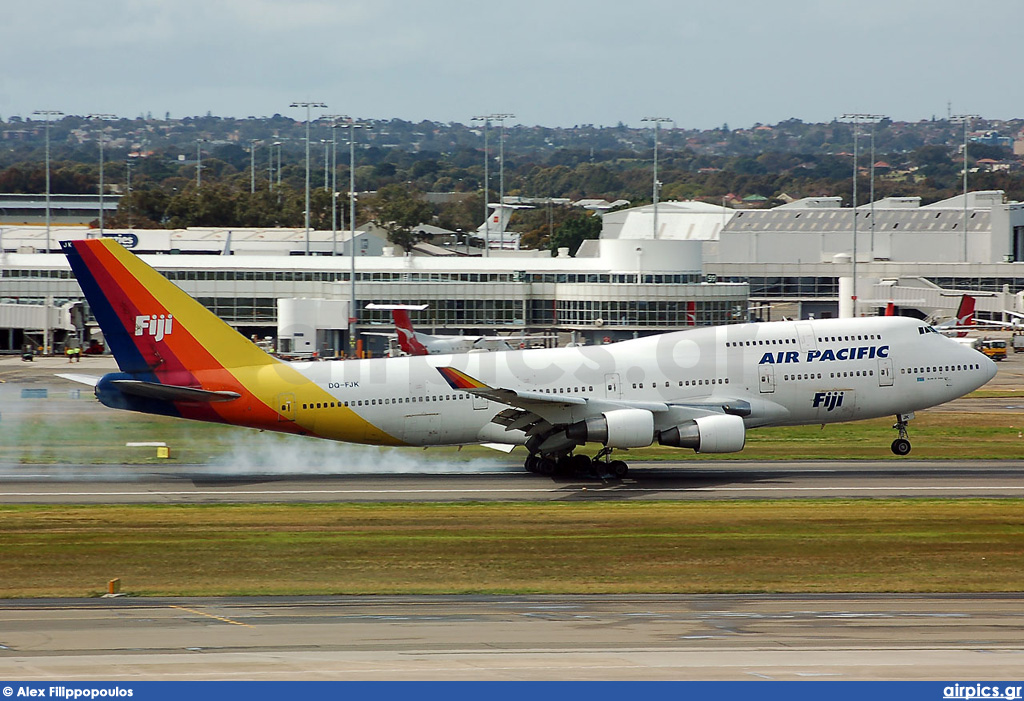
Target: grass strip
(576, 547)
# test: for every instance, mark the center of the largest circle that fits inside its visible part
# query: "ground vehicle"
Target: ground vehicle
(1018, 342)
(996, 350)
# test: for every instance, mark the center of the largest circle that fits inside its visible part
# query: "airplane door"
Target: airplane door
(806, 334)
(885, 372)
(612, 388)
(479, 402)
(766, 371)
(285, 404)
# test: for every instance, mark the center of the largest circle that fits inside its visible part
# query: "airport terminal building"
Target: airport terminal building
(799, 258)
(703, 265)
(617, 290)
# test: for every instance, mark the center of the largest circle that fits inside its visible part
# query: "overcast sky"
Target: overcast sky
(552, 63)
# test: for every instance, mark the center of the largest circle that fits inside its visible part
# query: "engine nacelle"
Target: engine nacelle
(621, 428)
(720, 433)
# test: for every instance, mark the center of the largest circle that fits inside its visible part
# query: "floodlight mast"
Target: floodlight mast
(964, 119)
(252, 165)
(657, 185)
(48, 114)
(105, 117)
(353, 318)
(308, 106)
(199, 163)
(334, 120)
(486, 119)
(857, 119)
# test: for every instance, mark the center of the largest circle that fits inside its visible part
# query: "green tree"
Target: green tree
(399, 210)
(576, 229)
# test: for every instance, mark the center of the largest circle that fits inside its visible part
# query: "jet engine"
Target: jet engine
(620, 428)
(719, 433)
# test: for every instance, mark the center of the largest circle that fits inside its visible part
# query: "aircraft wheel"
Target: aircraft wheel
(618, 468)
(901, 446)
(545, 466)
(580, 463)
(531, 463)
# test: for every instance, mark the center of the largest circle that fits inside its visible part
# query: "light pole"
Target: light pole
(199, 163)
(875, 119)
(501, 175)
(252, 165)
(327, 155)
(308, 106)
(353, 318)
(128, 165)
(857, 119)
(657, 185)
(964, 119)
(100, 140)
(48, 114)
(334, 178)
(271, 165)
(486, 119)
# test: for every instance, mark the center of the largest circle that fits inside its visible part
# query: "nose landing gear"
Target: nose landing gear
(901, 446)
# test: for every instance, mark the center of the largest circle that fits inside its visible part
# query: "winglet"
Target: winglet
(460, 380)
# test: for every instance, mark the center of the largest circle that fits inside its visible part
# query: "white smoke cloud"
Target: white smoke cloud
(276, 454)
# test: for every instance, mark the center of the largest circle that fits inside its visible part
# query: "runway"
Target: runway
(85, 484)
(744, 637)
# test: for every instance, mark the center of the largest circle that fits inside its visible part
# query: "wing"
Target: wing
(540, 413)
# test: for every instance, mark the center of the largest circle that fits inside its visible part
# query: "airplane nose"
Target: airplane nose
(991, 369)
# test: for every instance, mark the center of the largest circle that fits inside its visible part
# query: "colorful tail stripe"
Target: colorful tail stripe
(153, 328)
(159, 334)
(460, 380)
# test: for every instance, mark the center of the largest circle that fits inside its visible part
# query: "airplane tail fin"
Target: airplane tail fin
(498, 217)
(965, 312)
(890, 309)
(407, 340)
(157, 332)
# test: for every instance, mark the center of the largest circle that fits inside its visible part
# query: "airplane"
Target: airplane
(701, 388)
(412, 342)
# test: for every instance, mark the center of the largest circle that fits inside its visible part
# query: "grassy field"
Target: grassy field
(749, 546)
(80, 431)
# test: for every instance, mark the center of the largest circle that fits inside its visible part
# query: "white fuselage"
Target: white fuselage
(800, 372)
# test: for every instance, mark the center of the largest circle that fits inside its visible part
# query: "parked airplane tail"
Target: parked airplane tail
(890, 309)
(175, 356)
(965, 312)
(407, 340)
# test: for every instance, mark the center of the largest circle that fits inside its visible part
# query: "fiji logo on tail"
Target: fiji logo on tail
(829, 400)
(153, 325)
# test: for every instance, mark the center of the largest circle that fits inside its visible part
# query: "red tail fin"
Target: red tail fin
(965, 312)
(890, 309)
(406, 335)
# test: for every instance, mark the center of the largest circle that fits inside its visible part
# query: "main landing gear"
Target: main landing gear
(901, 446)
(578, 465)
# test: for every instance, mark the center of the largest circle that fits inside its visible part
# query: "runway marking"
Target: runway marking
(542, 490)
(210, 615)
